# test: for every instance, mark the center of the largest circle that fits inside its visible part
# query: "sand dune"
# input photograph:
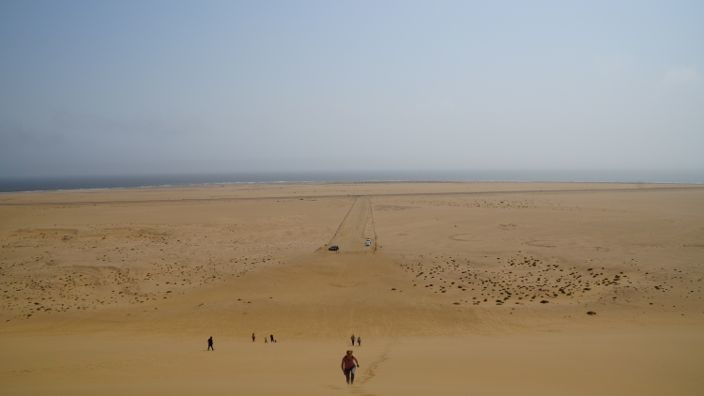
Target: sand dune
(484, 288)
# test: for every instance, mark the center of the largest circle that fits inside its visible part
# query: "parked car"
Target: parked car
(368, 242)
(333, 248)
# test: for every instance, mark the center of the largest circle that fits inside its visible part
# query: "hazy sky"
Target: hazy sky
(123, 87)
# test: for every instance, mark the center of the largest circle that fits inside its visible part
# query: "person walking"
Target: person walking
(349, 366)
(359, 341)
(352, 338)
(254, 337)
(210, 344)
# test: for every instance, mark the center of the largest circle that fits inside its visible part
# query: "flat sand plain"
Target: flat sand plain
(466, 288)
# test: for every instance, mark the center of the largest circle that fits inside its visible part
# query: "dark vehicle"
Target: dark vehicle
(333, 248)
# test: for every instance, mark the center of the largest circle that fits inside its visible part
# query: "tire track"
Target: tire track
(351, 231)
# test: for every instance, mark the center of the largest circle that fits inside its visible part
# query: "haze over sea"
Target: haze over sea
(149, 180)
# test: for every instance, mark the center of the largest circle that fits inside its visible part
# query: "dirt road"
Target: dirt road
(356, 228)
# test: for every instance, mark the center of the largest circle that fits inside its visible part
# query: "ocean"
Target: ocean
(12, 184)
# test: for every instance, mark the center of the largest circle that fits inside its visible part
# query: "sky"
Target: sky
(153, 87)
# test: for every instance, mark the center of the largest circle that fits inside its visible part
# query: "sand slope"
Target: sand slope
(467, 288)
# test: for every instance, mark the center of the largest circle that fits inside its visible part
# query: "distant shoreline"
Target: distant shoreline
(47, 184)
(322, 190)
(332, 182)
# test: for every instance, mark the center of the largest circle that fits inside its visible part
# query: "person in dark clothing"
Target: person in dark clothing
(254, 337)
(352, 338)
(349, 366)
(359, 341)
(210, 344)
(271, 337)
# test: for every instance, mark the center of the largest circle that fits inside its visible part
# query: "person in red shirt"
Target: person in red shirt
(349, 365)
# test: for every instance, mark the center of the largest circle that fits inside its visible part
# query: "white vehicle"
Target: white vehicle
(368, 242)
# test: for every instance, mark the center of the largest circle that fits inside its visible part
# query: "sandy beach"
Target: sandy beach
(464, 288)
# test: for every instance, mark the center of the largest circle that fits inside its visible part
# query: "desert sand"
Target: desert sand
(466, 288)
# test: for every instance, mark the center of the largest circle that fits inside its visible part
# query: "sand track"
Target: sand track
(355, 228)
